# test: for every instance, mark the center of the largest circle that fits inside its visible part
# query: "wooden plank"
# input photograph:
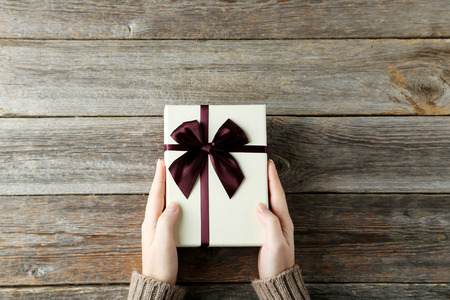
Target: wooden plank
(377, 154)
(293, 77)
(226, 291)
(339, 238)
(66, 292)
(240, 291)
(378, 291)
(223, 19)
(117, 155)
(369, 238)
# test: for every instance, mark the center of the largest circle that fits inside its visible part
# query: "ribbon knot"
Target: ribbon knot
(186, 169)
(207, 148)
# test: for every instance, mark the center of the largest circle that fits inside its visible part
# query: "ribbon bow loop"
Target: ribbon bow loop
(186, 169)
(230, 135)
(189, 134)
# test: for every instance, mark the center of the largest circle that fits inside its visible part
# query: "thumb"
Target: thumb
(270, 222)
(164, 226)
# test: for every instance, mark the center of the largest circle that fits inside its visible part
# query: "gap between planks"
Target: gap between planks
(276, 115)
(234, 39)
(287, 193)
(126, 284)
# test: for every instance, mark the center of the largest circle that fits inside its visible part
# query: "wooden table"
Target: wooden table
(358, 102)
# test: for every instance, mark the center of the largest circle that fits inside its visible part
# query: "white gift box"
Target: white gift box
(232, 221)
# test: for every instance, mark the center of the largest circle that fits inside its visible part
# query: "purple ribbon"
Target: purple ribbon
(192, 137)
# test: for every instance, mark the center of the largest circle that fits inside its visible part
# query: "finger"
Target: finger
(277, 197)
(155, 203)
(164, 227)
(271, 224)
(147, 235)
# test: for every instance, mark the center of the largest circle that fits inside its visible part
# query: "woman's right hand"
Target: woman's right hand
(277, 254)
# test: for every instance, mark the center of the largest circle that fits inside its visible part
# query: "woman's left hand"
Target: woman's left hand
(159, 253)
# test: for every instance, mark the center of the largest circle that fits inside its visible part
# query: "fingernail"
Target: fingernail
(171, 207)
(262, 208)
(273, 163)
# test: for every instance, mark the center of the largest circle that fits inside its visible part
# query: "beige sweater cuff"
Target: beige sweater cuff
(145, 288)
(286, 285)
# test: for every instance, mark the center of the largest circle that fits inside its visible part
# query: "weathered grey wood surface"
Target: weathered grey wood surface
(114, 292)
(339, 238)
(224, 19)
(318, 291)
(378, 291)
(327, 71)
(293, 77)
(117, 155)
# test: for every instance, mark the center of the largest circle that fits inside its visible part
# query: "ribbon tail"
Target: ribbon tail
(186, 169)
(228, 171)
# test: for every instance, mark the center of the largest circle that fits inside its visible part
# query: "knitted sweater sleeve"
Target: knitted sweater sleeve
(145, 288)
(286, 285)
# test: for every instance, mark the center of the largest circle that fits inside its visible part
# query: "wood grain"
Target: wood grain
(239, 291)
(372, 291)
(115, 64)
(66, 292)
(223, 19)
(293, 77)
(117, 155)
(339, 238)
(376, 154)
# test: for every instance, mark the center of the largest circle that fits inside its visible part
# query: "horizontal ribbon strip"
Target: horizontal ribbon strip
(249, 148)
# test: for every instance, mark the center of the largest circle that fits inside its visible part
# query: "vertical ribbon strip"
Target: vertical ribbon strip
(204, 176)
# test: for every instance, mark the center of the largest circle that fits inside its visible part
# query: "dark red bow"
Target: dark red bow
(186, 169)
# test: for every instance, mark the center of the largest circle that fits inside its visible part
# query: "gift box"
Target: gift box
(216, 162)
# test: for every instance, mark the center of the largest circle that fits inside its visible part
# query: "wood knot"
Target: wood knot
(131, 26)
(37, 272)
(424, 88)
(32, 270)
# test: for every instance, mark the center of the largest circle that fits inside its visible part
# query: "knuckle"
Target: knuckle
(290, 225)
(145, 228)
(163, 221)
(273, 220)
(144, 224)
(151, 195)
(278, 248)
